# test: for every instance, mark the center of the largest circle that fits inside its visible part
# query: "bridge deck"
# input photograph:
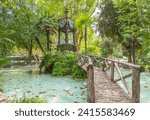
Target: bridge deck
(107, 91)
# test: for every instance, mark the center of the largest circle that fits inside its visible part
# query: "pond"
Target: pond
(26, 80)
(144, 85)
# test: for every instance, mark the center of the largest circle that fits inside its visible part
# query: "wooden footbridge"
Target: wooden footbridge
(102, 82)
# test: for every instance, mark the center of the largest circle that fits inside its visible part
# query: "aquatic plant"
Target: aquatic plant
(1, 87)
(30, 100)
(63, 63)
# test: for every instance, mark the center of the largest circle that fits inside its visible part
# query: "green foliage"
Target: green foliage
(117, 51)
(4, 62)
(106, 19)
(64, 63)
(107, 47)
(144, 58)
(30, 100)
(121, 20)
(78, 73)
(92, 50)
(27, 24)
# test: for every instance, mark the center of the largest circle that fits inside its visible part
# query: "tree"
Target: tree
(46, 25)
(119, 19)
(6, 32)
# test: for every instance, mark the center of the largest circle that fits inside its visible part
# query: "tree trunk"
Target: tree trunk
(39, 44)
(48, 40)
(129, 57)
(30, 57)
(85, 36)
(81, 37)
(76, 41)
(30, 52)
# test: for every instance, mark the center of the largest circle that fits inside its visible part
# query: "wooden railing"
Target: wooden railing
(105, 65)
(90, 85)
(23, 59)
(86, 63)
(135, 75)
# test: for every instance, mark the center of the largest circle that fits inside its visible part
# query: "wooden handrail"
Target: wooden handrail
(86, 63)
(90, 82)
(135, 74)
(112, 64)
(127, 64)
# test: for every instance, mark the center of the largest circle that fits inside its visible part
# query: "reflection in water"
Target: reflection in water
(28, 81)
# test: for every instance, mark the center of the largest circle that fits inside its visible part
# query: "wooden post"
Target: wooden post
(123, 80)
(135, 85)
(91, 89)
(112, 71)
(103, 66)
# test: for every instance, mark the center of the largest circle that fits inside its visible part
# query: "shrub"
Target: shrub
(78, 73)
(63, 63)
(4, 62)
(92, 50)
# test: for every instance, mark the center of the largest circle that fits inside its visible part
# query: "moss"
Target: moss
(64, 63)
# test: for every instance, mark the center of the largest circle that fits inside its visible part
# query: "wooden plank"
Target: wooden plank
(106, 69)
(107, 66)
(135, 86)
(103, 66)
(124, 77)
(106, 63)
(124, 82)
(112, 71)
(81, 62)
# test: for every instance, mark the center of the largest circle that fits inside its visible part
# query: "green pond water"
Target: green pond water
(144, 85)
(26, 80)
